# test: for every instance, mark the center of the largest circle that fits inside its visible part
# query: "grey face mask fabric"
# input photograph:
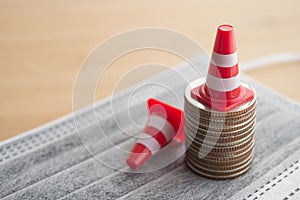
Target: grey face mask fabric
(52, 163)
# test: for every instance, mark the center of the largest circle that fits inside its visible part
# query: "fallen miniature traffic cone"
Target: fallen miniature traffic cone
(223, 90)
(165, 123)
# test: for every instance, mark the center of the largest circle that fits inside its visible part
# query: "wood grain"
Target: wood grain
(42, 45)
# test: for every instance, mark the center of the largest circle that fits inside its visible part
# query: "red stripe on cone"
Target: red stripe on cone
(159, 136)
(222, 72)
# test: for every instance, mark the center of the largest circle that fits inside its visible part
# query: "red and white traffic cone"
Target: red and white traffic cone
(223, 90)
(165, 123)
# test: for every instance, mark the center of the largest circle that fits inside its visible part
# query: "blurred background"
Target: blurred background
(43, 43)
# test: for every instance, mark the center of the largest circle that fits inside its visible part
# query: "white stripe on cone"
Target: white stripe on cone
(163, 126)
(223, 84)
(225, 61)
(148, 141)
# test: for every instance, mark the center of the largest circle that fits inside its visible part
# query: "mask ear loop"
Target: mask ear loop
(270, 60)
(273, 59)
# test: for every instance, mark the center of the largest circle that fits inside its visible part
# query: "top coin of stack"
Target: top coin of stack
(220, 115)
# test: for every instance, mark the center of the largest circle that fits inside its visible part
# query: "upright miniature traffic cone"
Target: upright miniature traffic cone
(165, 123)
(223, 90)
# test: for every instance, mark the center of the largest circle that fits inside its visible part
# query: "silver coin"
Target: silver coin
(223, 155)
(219, 138)
(223, 162)
(215, 143)
(236, 119)
(215, 128)
(204, 122)
(218, 177)
(221, 167)
(191, 109)
(220, 171)
(204, 148)
(210, 133)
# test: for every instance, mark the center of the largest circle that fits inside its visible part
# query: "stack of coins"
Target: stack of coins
(219, 144)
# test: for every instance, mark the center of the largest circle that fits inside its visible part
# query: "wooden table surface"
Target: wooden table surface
(43, 43)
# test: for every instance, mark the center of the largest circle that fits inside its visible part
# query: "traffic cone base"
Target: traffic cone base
(222, 103)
